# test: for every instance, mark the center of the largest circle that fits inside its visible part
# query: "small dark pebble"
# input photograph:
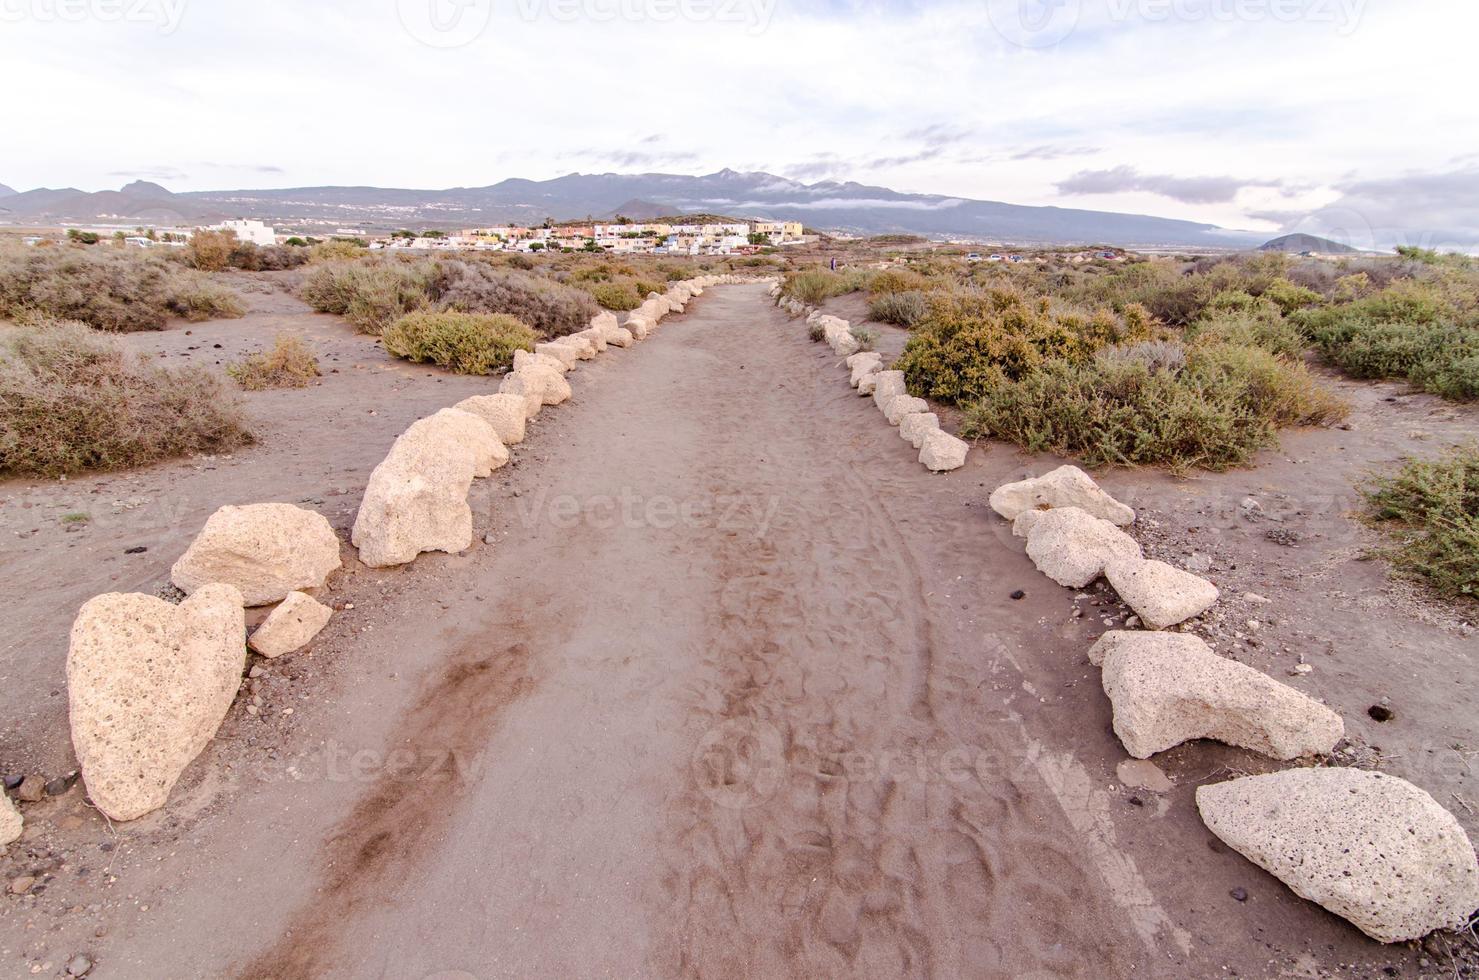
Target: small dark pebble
(135, 551)
(1018, 596)
(106, 845)
(11, 782)
(216, 346)
(1380, 712)
(1241, 894)
(1136, 801)
(59, 785)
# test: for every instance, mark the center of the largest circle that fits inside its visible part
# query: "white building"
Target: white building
(248, 231)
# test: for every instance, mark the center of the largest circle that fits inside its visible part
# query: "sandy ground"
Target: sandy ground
(733, 688)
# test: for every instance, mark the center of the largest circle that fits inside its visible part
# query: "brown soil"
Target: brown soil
(735, 688)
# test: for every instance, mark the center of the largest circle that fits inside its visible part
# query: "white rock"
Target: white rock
(148, 684)
(1067, 486)
(887, 385)
(416, 499)
(476, 436)
(904, 405)
(584, 347)
(524, 359)
(1025, 522)
(564, 353)
(11, 823)
(604, 321)
(1370, 847)
(1072, 547)
(915, 427)
(538, 386)
(264, 550)
(639, 326)
(505, 413)
(620, 338)
(942, 451)
(596, 337)
(864, 364)
(1160, 594)
(1168, 688)
(297, 620)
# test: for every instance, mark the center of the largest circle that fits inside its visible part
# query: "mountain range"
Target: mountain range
(828, 205)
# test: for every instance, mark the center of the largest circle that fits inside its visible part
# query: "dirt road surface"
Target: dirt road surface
(735, 689)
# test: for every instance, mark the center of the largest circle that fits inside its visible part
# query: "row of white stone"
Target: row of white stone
(149, 682)
(939, 451)
(1370, 847)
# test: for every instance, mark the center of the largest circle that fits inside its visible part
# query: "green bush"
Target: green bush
(621, 296)
(553, 309)
(1215, 412)
(110, 289)
(468, 343)
(903, 308)
(370, 295)
(73, 400)
(1431, 509)
(891, 281)
(1273, 334)
(816, 286)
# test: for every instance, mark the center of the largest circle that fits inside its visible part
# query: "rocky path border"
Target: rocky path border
(149, 682)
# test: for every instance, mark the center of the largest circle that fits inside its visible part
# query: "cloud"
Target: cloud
(1187, 190)
(1433, 208)
(820, 165)
(1049, 152)
(636, 159)
(151, 173)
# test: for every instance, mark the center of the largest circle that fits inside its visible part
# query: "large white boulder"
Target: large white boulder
(864, 364)
(596, 337)
(1160, 594)
(11, 823)
(476, 437)
(1067, 486)
(504, 413)
(148, 684)
(538, 386)
(1370, 847)
(903, 405)
(604, 321)
(566, 354)
(941, 451)
(838, 334)
(264, 550)
(584, 347)
(639, 326)
(915, 427)
(1073, 548)
(296, 620)
(416, 499)
(524, 359)
(620, 338)
(887, 385)
(1168, 688)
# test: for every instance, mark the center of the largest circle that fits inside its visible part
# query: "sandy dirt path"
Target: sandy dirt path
(736, 689)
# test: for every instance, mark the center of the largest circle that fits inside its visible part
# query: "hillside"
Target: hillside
(1296, 244)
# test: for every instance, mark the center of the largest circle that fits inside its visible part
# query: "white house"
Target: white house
(248, 231)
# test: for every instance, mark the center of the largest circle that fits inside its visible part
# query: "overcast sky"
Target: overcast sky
(1247, 113)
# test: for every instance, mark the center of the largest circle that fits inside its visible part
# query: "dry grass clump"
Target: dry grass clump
(371, 295)
(905, 308)
(551, 308)
(619, 296)
(290, 363)
(468, 343)
(1431, 509)
(71, 400)
(110, 289)
(816, 286)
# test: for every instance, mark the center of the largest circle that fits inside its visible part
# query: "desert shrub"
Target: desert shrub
(1288, 296)
(468, 343)
(108, 289)
(616, 295)
(971, 338)
(902, 308)
(896, 281)
(251, 257)
(551, 308)
(1154, 355)
(72, 400)
(370, 295)
(1215, 412)
(816, 286)
(817, 332)
(336, 250)
(646, 287)
(867, 338)
(1273, 334)
(197, 299)
(1431, 511)
(210, 251)
(290, 363)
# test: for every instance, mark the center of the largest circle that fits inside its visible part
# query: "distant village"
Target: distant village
(621, 237)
